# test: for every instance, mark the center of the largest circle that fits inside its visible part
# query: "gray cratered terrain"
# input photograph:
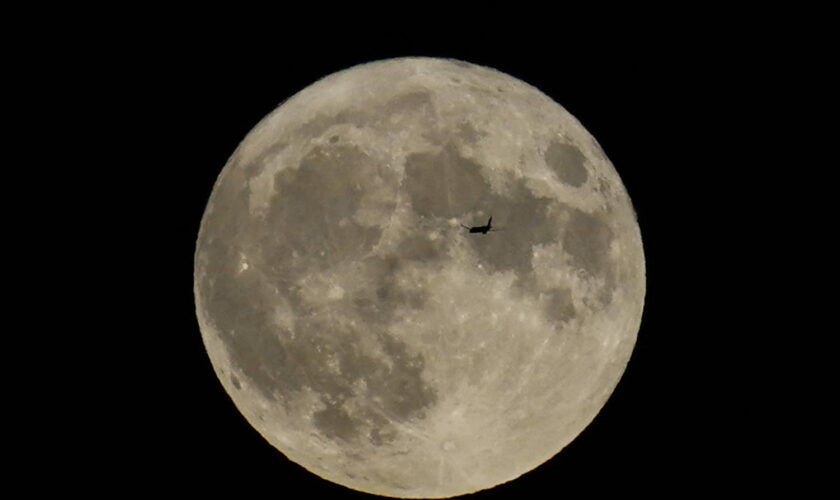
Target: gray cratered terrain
(372, 339)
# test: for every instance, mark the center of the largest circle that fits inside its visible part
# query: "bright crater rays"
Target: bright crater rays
(364, 332)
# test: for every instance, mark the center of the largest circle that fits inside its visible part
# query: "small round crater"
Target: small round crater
(334, 139)
(567, 161)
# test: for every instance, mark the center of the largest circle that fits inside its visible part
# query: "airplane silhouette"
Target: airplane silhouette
(481, 229)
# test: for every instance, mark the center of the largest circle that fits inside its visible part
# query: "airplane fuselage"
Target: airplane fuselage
(482, 229)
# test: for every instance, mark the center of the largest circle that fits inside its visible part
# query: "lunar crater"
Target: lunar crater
(567, 162)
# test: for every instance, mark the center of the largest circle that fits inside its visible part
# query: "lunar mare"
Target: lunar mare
(370, 338)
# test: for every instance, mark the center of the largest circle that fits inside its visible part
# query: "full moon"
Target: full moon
(358, 324)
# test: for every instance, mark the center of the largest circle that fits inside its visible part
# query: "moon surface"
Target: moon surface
(372, 339)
